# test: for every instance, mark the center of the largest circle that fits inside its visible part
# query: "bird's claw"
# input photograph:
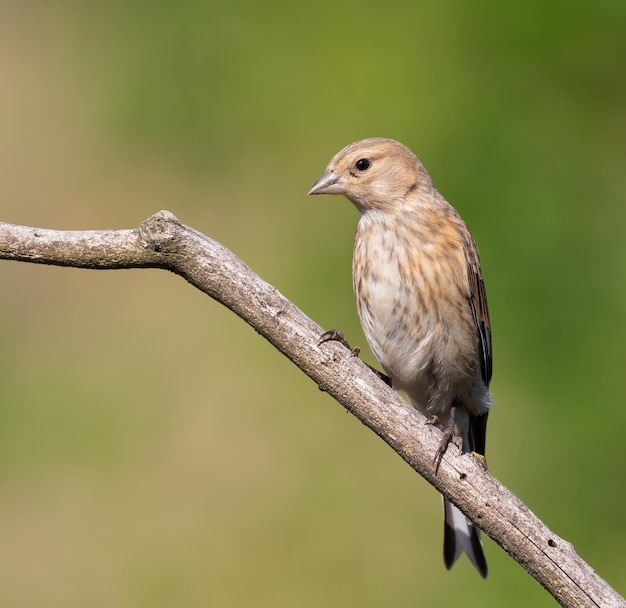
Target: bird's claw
(433, 421)
(336, 336)
(448, 437)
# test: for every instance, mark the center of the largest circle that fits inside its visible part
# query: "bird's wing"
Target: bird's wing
(478, 303)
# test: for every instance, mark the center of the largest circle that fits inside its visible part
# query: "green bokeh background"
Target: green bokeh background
(154, 450)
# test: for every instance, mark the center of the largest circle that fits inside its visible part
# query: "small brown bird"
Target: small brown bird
(421, 300)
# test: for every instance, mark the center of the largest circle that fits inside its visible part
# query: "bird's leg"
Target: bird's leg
(336, 336)
(448, 436)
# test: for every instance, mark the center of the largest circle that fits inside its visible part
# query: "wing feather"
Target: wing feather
(478, 303)
(477, 297)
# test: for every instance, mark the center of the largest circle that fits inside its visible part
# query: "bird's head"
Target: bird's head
(375, 173)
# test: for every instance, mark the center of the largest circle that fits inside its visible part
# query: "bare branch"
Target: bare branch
(162, 241)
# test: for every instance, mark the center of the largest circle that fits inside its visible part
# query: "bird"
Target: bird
(421, 300)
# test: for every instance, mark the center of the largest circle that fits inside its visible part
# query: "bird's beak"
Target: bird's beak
(329, 183)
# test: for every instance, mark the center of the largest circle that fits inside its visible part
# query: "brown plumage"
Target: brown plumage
(421, 300)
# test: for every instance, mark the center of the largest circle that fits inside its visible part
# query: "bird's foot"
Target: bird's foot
(433, 421)
(443, 447)
(448, 437)
(336, 336)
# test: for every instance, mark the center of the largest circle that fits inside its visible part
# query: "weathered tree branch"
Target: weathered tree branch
(162, 241)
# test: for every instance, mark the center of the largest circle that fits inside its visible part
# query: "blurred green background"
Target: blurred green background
(154, 450)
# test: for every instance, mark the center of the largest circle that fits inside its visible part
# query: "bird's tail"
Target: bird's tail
(460, 535)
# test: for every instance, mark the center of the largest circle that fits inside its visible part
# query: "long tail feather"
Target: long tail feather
(460, 535)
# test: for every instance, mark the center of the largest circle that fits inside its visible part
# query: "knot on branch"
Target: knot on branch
(159, 232)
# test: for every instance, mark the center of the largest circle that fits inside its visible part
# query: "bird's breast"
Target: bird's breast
(411, 296)
(395, 325)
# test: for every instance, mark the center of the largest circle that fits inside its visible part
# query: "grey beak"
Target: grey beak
(327, 184)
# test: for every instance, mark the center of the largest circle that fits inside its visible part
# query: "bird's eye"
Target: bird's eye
(363, 164)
